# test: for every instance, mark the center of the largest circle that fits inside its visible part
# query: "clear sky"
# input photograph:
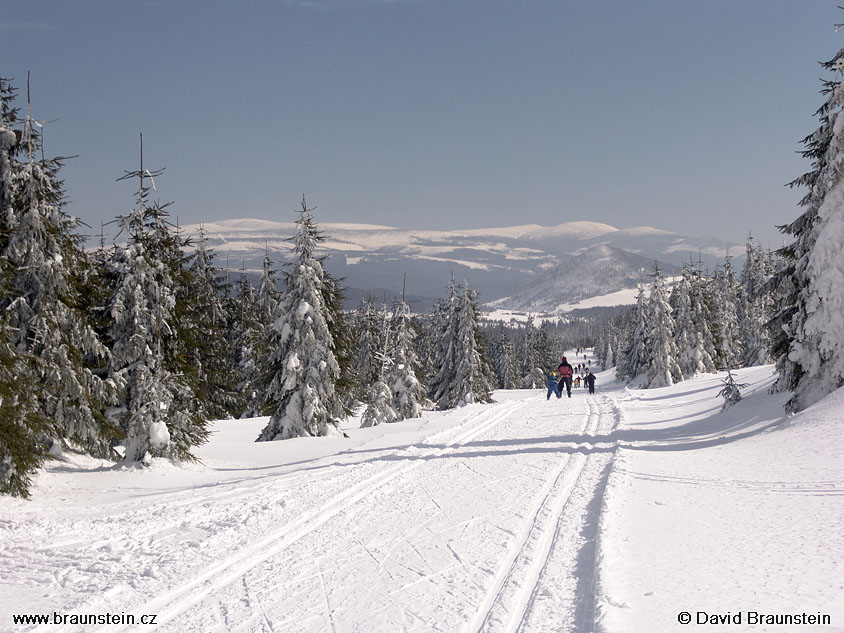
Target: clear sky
(684, 115)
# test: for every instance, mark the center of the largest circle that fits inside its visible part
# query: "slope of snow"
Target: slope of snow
(611, 512)
(713, 513)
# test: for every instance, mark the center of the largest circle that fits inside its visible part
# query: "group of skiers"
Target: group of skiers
(565, 376)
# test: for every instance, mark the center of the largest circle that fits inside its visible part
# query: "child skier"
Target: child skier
(552, 386)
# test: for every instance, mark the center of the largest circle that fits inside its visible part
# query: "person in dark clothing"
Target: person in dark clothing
(553, 387)
(566, 372)
(590, 382)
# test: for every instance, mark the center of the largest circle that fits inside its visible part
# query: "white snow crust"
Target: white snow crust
(613, 513)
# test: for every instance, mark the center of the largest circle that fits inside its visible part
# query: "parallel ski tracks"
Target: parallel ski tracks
(517, 582)
(210, 579)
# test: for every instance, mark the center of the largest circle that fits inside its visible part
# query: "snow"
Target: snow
(159, 436)
(613, 513)
(623, 297)
(722, 512)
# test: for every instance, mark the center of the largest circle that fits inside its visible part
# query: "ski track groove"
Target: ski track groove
(544, 526)
(173, 603)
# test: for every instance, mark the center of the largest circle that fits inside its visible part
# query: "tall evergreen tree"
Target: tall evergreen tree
(464, 373)
(636, 354)
(506, 364)
(158, 412)
(303, 388)
(663, 370)
(692, 334)
(207, 336)
(8, 146)
(369, 347)
(727, 330)
(810, 340)
(379, 397)
(533, 372)
(408, 393)
(247, 332)
(755, 307)
(46, 273)
(257, 368)
(22, 424)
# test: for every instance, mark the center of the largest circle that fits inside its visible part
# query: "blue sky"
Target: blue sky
(430, 113)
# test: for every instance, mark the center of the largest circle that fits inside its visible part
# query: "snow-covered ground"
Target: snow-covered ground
(614, 512)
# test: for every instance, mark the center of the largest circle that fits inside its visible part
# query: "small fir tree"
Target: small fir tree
(731, 391)
(408, 393)
(379, 408)
(303, 392)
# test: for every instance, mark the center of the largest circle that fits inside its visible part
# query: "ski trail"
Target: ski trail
(214, 577)
(511, 591)
(521, 576)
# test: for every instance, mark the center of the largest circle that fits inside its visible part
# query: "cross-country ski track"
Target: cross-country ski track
(610, 513)
(390, 540)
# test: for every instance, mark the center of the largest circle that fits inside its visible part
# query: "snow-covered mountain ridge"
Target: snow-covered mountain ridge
(509, 265)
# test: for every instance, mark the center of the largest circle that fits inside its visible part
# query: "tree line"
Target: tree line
(705, 323)
(127, 351)
(787, 309)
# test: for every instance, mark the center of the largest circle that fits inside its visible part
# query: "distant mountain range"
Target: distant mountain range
(530, 267)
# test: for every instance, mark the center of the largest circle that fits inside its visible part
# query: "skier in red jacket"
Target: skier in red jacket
(566, 372)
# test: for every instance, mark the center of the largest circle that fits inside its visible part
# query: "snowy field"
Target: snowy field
(615, 513)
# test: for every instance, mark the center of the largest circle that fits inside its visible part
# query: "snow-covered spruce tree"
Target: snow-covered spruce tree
(810, 345)
(755, 307)
(157, 412)
(369, 347)
(692, 335)
(506, 364)
(379, 397)
(663, 370)
(725, 316)
(533, 374)
(685, 335)
(731, 391)
(207, 336)
(701, 300)
(244, 310)
(439, 342)
(8, 146)
(636, 353)
(463, 377)
(547, 345)
(256, 351)
(22, 425)
(303, 392)
(408, 393)
(46, 272)
(344, 350)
